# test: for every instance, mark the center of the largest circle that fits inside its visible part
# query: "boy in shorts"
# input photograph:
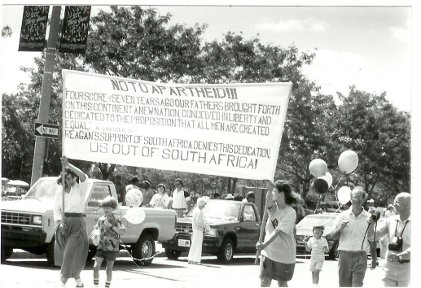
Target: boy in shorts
(318, 246)
(110, 229)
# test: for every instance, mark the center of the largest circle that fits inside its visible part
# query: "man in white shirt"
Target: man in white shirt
(356, 238)
(179, 200)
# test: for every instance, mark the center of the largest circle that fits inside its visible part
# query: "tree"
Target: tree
(380, 135)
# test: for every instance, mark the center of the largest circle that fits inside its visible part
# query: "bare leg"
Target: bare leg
(97, 267)
(282, 283)
(109, 270)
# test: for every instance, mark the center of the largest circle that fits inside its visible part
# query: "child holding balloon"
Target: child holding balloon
(109, 229)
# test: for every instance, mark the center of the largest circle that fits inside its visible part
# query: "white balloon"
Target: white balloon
(135, 215)
(348, 161)
(317, 167)
(344, 195)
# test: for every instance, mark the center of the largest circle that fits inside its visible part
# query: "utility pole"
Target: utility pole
(44, 108)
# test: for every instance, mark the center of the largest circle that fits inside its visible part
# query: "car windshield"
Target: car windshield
(44, 189)
(227, 210)
(316, 220)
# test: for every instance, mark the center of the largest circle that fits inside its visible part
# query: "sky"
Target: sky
(369, 47)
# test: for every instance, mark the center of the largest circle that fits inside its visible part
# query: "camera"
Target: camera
(375, 215)
(395, 244)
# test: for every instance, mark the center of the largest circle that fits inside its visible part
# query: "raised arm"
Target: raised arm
(65, 162)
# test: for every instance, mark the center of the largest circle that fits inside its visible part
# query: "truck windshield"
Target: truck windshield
(44, 189)
(222, 210)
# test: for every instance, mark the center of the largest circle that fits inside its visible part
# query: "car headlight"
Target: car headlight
(212, 232)
(37, 220)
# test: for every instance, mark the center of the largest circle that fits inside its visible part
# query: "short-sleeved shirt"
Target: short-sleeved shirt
(179, 199)
(395, 227)
(282, 249)
(109, 233)
(74, 201)
(353, 234)
(160, 201)
(198, 222)
(317, 248)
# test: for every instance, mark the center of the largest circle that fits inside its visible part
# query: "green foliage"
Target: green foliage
(140, 44)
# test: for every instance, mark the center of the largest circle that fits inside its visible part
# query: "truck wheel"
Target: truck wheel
(334, 253)
(144, 248)
(6, 252)
(50, 253)
(172, 254)
(226, 252)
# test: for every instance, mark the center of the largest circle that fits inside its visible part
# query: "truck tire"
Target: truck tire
(172, 254)
(226, 252)
(6, 252)
(144, 248)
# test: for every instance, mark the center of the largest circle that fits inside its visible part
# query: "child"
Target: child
(318, 246)
(110, 229)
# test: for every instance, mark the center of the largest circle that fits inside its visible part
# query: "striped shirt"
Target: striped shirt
(317, 248)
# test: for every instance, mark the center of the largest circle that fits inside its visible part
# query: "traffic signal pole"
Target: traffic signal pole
(47, 79)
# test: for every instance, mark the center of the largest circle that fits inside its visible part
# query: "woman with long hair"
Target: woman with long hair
(71, 237)
(278, 247)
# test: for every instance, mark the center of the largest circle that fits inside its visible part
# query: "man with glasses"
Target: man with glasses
(398, 230)
(179, 199)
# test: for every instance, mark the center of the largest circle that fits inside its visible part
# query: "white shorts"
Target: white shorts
(316, 265)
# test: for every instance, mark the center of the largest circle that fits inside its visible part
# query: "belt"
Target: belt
(74, 214)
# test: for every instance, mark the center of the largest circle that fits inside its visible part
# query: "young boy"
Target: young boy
(318, 246)
(110, 229)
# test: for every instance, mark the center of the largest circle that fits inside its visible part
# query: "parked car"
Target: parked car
(305, 228)
(234, 228)
(28, 224)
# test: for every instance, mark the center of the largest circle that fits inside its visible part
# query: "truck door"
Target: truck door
(249, 229)
(98, 192)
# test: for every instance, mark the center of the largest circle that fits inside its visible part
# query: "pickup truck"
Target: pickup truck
(28, 223)
(234, 228)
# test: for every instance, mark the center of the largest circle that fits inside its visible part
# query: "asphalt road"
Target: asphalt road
(25, 270)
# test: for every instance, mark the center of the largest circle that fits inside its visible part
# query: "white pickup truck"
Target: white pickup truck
(28, 223)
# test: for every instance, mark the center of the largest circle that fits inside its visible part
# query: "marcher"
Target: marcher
(198, 225)
(161, 199)
(179, 200)
(71, 236)
(134, 184)
(398, 229)
(356, 238)
(318, 246)
(384, 241)
(147, 192)
(278, 249)
(120, 189)
(110, 229)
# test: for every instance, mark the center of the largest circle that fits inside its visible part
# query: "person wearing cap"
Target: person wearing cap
(198, 225)
(110, 228)
(229, 197)
(147, 192)
(161, 199)
(71, 238)
(318, 246)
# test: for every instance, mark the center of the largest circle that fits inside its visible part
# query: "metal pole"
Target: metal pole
(44, 108)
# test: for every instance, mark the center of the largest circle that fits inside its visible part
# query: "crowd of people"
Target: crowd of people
(355, 228)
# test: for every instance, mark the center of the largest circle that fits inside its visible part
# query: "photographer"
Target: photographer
(355, 240)
(398, 230)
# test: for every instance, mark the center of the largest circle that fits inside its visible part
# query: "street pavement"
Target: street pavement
(29, 271)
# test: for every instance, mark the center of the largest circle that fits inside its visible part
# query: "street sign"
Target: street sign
(46, 130)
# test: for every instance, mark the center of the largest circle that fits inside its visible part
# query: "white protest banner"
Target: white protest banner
(229, 130)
